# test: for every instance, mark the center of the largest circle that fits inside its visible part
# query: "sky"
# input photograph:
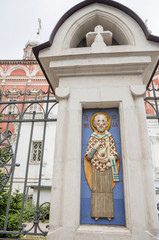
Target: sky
(19, 20)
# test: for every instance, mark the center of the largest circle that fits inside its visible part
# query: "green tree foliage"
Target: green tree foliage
(15, 211)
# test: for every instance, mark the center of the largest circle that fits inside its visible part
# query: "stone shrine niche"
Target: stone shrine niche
(108, 22)
(99, 60)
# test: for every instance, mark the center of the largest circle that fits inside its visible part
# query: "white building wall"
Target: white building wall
(153, 131)
(34, 167)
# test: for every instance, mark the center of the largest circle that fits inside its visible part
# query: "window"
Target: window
(11, 107)
(36, 151)
(34, 107)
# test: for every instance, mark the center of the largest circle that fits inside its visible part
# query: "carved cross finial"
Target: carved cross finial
(39, 28)
(99, 37)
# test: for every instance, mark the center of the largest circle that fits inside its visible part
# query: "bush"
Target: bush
(15, 211)
(29, 211)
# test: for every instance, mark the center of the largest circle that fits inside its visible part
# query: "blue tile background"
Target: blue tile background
(118, 189)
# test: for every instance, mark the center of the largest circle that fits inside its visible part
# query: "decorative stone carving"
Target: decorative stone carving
(13, 91)
(62, 93)
(138, 90)
(34, 91)
(99, 38)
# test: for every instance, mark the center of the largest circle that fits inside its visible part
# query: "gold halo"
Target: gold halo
(108, 119)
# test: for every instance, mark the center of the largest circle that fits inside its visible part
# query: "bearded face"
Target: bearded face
(100, 122)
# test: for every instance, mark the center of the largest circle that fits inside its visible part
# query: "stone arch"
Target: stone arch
(121, 32)
(18, 67)
(35, 71)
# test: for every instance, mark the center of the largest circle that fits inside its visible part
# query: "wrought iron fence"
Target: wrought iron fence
(21, 113)
(152, 101)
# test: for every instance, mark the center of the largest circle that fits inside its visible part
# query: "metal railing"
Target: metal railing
(12, 120)
(152, 101)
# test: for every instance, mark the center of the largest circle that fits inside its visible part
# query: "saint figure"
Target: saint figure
(101, 165)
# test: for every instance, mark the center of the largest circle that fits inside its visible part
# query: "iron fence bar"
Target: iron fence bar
(152, 117)
(6, 135)
(151, 89)
(154, 93)
(28, 101)
(152, 101)
(5, 177)
(2, 93)
(30, 120)
(6, 131)
(150, 104)
(152, 98)
(13, 165)
(26, 174)
(8, 165)
(11, 183)
(1, 98)
(40, 171)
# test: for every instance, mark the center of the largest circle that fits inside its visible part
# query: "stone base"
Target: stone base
(99, 233)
